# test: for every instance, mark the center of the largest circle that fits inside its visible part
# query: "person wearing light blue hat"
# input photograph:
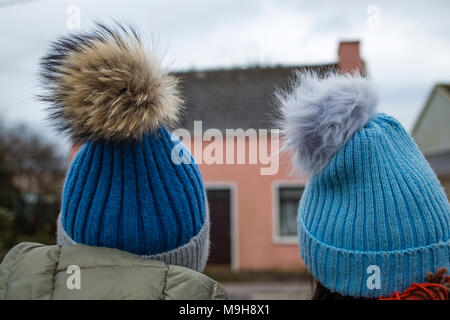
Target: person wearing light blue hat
(373, 219)
(133, 222)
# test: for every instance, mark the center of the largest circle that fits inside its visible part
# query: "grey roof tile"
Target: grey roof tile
(235, 98)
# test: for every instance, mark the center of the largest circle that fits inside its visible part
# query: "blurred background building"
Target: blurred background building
(432, 133)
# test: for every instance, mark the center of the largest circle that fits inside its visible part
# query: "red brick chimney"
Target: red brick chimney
(349, 58)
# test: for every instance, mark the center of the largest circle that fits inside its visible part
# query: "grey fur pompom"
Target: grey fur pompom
(319, 115)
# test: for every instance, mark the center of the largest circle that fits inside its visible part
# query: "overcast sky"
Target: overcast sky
(405, 45)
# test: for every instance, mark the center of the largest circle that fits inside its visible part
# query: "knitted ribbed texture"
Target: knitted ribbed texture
(193, 254)
(377, 202)
(133, 197)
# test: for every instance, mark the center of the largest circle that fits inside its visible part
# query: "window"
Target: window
(288, 201)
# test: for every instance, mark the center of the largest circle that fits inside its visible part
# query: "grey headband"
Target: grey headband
(193, 254)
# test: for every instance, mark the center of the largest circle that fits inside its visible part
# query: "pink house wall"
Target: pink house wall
(255, 245)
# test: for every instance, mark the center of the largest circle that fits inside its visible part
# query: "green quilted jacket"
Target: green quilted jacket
(36, 271)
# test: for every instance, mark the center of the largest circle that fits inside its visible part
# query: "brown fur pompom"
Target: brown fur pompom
(104, 86)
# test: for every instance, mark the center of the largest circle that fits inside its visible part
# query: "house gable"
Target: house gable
(432, 129)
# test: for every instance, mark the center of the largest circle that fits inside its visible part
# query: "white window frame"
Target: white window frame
(276, 237)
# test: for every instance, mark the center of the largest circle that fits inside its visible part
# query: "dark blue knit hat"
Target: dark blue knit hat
(123, 189)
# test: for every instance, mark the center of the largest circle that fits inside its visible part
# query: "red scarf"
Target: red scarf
(436, 287)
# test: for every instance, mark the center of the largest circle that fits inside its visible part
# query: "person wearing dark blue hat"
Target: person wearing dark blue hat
(133, 220)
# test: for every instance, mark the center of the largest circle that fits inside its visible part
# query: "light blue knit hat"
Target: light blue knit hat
(133, 185)
(372, 206)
